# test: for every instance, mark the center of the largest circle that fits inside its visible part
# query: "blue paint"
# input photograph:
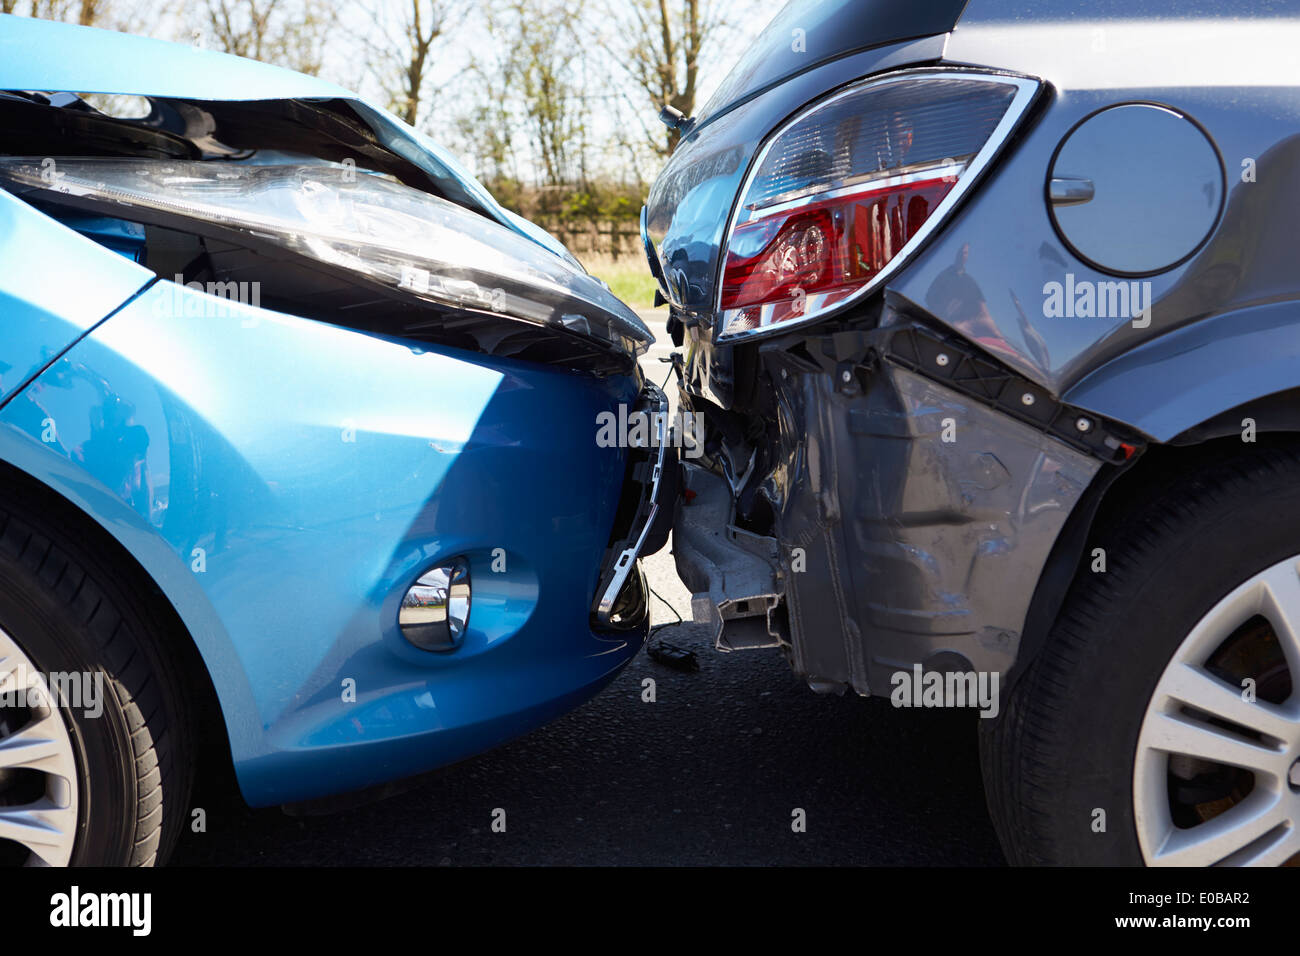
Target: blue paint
(284, 481)
(56, 285)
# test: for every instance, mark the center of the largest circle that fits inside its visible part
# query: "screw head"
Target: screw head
(1083, 425)
(1027, 399)
(846, 376)
(941, 359)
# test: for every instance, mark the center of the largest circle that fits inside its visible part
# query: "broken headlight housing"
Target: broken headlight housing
(358, 223)
(843, 194)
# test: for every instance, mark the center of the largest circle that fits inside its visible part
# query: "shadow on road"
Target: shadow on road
(709, 773)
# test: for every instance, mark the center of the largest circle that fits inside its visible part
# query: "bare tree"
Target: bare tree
(660, 44)
(400, 54)
(543, 46)
(486, 116)
(274, 31)
(84, 12)
(123, 15)
(240, 27)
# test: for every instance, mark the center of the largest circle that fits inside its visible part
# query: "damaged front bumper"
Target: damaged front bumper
(912, 495)
(642, 525)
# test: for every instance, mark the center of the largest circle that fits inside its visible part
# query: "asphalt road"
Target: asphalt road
(710, 773)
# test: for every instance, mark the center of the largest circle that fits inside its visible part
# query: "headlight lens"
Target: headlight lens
(844, 193)
(389, 233)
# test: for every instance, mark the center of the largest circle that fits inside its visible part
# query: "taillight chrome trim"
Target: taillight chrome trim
(862, 186)
(1027, 89)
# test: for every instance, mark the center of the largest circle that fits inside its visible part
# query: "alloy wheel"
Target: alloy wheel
(38, 768)
(1217, 770)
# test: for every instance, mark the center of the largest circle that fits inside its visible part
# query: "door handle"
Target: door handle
(1069, 190)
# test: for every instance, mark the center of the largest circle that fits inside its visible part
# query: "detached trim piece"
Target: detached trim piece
(737, 585)
(965, 370)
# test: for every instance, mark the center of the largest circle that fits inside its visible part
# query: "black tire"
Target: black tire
(70, 612)
(1065, 743)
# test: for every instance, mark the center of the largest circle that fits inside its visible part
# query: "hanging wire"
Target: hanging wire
(670, 607)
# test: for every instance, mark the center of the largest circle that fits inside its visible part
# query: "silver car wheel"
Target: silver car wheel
(38, 770)
(1203, 724)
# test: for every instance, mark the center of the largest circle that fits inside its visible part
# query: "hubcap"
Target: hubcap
(1218, 756)
(38, 772)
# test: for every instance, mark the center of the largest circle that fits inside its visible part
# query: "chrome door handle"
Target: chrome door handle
(1069, 190)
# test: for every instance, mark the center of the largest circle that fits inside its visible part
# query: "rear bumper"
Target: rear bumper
(909, 523)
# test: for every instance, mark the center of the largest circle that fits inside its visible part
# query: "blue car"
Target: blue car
(298, 448)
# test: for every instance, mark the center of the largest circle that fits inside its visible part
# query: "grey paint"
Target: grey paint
(1107, 12)
(1180, 380)
(1003, 242)
(1150, 189)
(807, 33)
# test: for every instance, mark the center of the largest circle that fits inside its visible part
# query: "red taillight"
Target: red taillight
(826, 248)
(838, 197)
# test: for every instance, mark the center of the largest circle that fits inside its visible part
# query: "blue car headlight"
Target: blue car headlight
(368, 225)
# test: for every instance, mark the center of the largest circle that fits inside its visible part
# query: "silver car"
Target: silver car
(991, 312)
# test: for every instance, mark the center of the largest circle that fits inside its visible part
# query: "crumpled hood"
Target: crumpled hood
(49, 57)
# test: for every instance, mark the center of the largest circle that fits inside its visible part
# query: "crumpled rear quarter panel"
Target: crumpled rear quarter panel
(923, 520)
